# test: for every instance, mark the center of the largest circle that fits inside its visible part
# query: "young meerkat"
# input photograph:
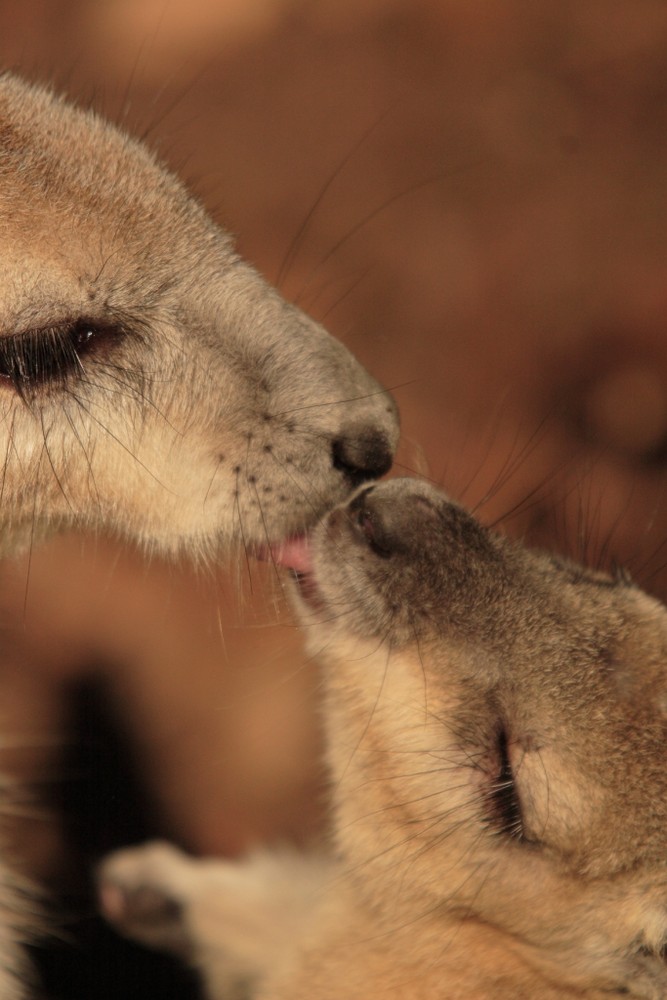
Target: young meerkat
(151, 383)
(496, 726)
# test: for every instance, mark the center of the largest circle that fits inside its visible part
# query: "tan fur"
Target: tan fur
(151, 383)
(497, 734)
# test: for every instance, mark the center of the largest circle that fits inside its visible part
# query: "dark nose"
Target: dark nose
(362, 454)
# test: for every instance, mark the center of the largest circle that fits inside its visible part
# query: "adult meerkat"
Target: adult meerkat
(151, 383)
(496, 724)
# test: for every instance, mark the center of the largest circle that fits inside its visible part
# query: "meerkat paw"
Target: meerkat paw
(144, 892)
(234, 920)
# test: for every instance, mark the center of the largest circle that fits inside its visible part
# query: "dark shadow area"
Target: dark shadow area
(105, 806)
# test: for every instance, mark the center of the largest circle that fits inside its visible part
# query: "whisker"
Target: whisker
(298, 237)
(377, 211)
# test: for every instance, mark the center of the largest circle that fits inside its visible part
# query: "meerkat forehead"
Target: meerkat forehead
(106, 221)
(40, 132)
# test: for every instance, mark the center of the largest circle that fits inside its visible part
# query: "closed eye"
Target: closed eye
(46, 357)
(505, 813)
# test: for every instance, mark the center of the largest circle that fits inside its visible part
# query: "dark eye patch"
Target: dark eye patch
(505, 812)
(47, 356)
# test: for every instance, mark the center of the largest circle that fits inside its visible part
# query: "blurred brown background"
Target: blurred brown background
(471, 194)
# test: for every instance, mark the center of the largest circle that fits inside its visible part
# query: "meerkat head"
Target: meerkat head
(150, 381)
(497, 721)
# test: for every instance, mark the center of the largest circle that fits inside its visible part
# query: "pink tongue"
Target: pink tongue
(293, 553)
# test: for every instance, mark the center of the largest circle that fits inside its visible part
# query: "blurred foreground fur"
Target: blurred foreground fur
(151, 384)
(496, 724)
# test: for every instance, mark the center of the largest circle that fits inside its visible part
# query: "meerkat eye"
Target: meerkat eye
(42, 357)
(505, 813)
